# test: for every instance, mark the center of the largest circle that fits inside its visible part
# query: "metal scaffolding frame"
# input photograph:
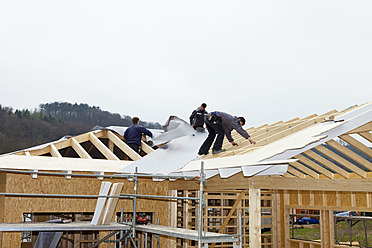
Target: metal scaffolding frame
(130, 228)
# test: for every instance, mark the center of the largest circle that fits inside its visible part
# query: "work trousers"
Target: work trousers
(214, 128)
(135, 147)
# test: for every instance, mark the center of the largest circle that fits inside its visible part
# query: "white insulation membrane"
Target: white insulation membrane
(176, 154)
(180, 152)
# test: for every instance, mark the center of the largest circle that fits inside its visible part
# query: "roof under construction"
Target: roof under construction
(293, 148)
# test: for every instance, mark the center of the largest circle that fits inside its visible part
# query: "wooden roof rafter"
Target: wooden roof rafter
(270, 135)
(75, 143)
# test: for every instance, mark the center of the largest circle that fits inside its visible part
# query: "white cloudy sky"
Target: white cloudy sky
(266, 60)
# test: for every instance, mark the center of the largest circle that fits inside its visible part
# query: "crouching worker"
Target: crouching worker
(133, 134)
(220, 124)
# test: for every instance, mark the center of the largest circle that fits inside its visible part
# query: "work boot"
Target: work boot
(214, 151)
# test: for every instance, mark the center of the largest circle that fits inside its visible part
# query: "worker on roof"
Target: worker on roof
(133, 134)
(197, 117)
(220, 124)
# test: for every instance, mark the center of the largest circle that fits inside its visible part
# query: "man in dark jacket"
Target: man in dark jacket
(133, 134)
(220, 124)
(197, 117)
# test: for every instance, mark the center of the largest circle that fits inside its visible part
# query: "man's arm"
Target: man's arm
(146, 131)
(126, 134)
(192, 116)
(243, 133)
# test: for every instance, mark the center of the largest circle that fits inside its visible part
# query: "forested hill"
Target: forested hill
(20, 129)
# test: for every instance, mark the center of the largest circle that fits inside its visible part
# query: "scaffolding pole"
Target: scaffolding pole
(167, 231)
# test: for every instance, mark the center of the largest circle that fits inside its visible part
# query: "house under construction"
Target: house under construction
(248, 195)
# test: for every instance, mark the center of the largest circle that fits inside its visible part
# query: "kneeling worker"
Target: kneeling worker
(220, 124)
(133, 134)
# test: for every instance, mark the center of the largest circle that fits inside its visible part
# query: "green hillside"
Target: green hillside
(20, 129)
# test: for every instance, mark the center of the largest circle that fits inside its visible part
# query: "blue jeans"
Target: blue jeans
(214, 128)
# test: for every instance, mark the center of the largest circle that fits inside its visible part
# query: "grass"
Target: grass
(312, 232)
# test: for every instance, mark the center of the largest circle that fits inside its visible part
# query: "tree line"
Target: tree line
(20, 129)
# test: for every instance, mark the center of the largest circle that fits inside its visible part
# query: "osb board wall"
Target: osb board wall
(14, 207)
(332, 200)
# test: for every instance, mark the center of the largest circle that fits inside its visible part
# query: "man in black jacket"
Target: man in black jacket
(197, 117)
(221, 124)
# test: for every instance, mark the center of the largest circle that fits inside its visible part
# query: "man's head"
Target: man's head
(203, 106)
(135, 120)
(241, 120)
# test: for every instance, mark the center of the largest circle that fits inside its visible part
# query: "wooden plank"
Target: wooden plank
(123, 146)
(102, 148)
(341, 160)
(54, 151)
(286, 198)
(295, 172)
(326, 163)
(98, 212)
(231, 212)
(367, 136)
(314, 165)
(112, 202)
(352, 155)
(356, 144)
(79, 149)
(267, 182)
(172, 219)
(146, 148)
(82, 138)
(254, 217)
(365, 128)
(306, 170)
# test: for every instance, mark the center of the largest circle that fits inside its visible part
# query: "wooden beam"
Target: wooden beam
(102, 148)
(341, 160)
(365, 128)
(98, 212)
(123, 146)
(366, 135)
(112, 202)
(237, 181)
(82, 138)
(326, 163)
(352, 155)
(146, 148)
(232, 210)
(54, 151)
(295, 172)
(79, 149)
(306, 170)
(254, 217)
(267, 182)
(314, 165)
(356, 144)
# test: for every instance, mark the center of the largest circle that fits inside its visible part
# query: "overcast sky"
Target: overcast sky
(265, 60)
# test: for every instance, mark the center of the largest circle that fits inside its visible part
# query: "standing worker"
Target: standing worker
(133, 134)
(221, 123)
(197, 117)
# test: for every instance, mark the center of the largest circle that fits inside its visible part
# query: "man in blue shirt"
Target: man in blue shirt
(133, 134)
